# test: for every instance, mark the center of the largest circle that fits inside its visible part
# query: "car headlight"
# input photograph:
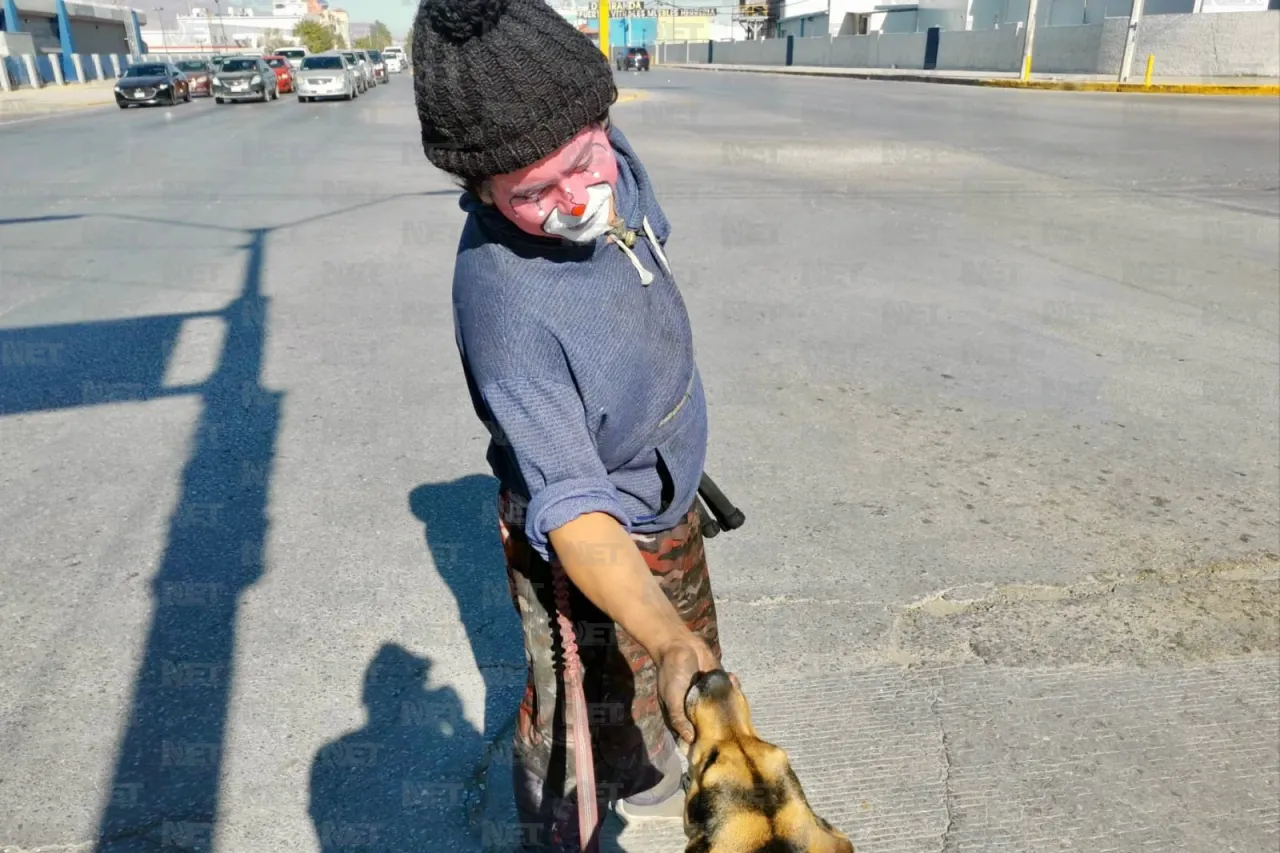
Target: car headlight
(257, 78)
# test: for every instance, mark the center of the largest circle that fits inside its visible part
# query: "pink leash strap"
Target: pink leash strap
(576, 710)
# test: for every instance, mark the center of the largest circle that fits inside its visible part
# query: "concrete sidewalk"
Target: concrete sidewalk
(1068, 82)
(27, 102)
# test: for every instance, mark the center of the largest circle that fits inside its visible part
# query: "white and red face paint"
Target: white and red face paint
(567, 194)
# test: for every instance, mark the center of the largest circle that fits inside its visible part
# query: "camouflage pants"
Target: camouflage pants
(629, 736)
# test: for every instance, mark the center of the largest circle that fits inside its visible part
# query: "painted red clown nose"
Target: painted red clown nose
(579, 209)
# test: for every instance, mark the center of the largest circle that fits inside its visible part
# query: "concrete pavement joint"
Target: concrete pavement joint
(947, 760)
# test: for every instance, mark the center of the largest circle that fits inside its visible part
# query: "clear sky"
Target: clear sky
(396, 14)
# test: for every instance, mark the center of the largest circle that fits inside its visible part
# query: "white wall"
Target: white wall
(981, 50)
(899, 21)
(762, 52)
(1217, 45)
(1067, 50)
(1226, 43)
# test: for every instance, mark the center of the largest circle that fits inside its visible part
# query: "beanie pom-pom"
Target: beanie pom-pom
(462, 20)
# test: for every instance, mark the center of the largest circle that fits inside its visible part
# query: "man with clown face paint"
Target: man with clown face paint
(568, 194)
(578, 355)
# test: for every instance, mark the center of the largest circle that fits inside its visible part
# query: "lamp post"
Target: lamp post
(221, 28)
(164, 43)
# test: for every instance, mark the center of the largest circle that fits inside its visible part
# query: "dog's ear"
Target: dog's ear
(698, 844)
(832, 840)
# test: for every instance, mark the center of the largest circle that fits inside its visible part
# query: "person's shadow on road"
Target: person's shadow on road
(402, 782)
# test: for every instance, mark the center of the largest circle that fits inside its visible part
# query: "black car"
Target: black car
(636, 57)
(245, 78)
(152, 83)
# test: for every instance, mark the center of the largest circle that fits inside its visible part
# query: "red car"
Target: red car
(199, 75)
(284, 73)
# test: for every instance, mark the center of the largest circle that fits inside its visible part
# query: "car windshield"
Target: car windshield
(293, 53)
(147, 71)
(277, 62)
(240, 65)
(193, 65)
(351, 57)
(375, 56)
(328, 63)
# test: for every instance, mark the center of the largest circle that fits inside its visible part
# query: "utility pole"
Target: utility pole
(1130, 40)
(1028, 40)
(164, 43)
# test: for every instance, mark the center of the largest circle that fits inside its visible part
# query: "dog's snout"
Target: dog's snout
(715, 685)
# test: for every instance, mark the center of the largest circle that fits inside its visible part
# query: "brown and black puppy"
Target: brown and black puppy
(743, 796)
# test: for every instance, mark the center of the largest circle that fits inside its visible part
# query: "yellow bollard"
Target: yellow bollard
(1151, 64)
(603, 27)
(1026, 68)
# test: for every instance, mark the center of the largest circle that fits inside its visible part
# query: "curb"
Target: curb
(630, 95)
(999, 83)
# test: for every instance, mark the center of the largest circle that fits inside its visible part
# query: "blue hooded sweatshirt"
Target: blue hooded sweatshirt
(579, 361)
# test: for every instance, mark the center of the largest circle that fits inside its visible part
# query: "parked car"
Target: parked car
(636, 57)
(395, 59)
(284, 72)
(295, 55)
(244, 78)
(199, 75)
(362, 69)
(152, 83)
(363, 56)
(327, 75)
(379, 66)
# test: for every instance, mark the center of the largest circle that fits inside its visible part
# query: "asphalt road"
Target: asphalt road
(993, 374)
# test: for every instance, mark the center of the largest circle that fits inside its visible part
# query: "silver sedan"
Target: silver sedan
(326, 75)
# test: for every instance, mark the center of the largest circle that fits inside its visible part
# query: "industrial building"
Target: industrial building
(52, 32)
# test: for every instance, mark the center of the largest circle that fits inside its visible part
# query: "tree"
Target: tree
(315, 36)
(272, 40)
(379, 37)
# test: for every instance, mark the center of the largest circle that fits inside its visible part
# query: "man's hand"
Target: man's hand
(604, 563)
(678, 666)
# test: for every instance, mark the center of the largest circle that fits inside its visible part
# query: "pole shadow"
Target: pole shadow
(165, 788)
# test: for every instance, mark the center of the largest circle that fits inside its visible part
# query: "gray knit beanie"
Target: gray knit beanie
(500, 84)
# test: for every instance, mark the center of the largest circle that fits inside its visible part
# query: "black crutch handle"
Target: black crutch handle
(728, 516)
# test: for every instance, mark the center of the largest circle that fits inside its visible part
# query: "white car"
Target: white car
(295, 55)
(395, 59)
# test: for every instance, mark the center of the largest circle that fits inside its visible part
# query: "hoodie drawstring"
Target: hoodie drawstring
(626, 239)
(657, 247)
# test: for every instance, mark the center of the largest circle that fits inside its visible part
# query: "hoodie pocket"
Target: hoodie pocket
(680, 452)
